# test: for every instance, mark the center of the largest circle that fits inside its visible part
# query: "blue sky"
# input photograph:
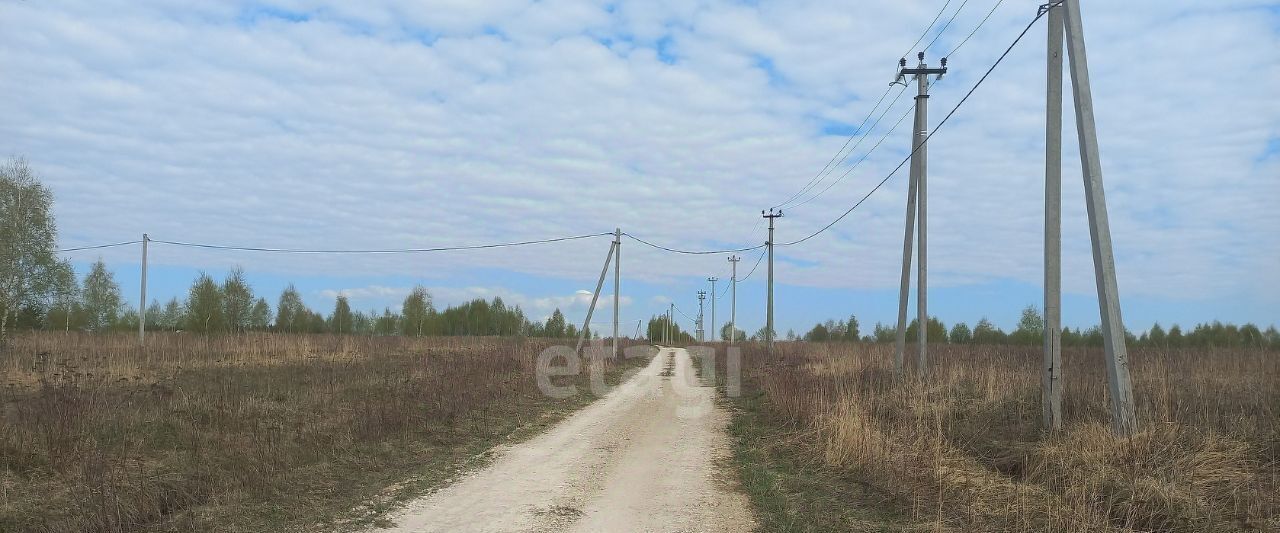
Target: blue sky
(393, 125)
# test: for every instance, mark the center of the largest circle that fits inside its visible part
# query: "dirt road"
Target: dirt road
(647, 457)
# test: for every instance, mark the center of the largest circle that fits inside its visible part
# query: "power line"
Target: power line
(944, 26)
(377, 251)
(926, 30)
(936, 36)
(975, 29)
(97, 246)
(813, 184)
(689, 252)
(673, 304)
(859, 161)
(830, 165)
(753, 268)
(927, 137)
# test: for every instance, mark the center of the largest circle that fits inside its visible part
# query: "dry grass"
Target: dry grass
(964, 450)
(248, 433)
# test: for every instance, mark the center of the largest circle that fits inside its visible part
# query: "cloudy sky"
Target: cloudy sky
(453, 122)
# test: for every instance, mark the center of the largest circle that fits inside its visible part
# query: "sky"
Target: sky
(388, 125)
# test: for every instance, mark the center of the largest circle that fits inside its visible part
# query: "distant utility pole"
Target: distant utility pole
(733, 299)
(142, 305)
(671, 327)
(713, 281)
(617, 285)
(768, 323)
(702, 295)
(1123, 420)
(917, 199)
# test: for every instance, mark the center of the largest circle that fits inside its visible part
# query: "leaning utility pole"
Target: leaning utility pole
(733, 299)
(586, 323)
(768, 323)
(1051, 377)
(713, 281)
(917, 195)
(617, 282)
(1123, 420)
(702, 333)
(142, 305)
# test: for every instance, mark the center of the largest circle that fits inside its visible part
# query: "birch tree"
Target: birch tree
(28, 264)
(102, 302)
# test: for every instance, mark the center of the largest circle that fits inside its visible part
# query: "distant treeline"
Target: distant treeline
(230, 306)
(1030, 330)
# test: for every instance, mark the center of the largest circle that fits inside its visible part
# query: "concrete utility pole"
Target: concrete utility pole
(768, 323)
(713, 281)
(617, 285)
(671, 327)
(1123, 420)
(586, 324)
(733, 299)
(1051, 377)
(142, 305)
(917, 194)
(702, 332)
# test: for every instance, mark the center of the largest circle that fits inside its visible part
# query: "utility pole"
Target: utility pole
(617, 285)
(768, 326)
(917, 194)
(142, 305)
(586, 323)
(702, 333)
(671, 327)
(1123, 420)
(713, 281)
(1051, 377)
(733, 299)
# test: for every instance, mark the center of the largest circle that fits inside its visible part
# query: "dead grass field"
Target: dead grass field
(251, 433)
(830, 439)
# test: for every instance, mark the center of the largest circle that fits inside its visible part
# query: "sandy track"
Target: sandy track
(643, 458)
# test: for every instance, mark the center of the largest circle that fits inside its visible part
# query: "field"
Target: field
(257, 432)
(828, 439)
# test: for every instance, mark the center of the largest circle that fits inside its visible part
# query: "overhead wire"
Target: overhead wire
(927, 137)
(926, 30)
(97, 246)
(677, 308)
(854, 167)
(975, 28)
(945, 26)
(831, 164)
(863, 137)
(829, 168)
(690, 252)
(753, 269)
(379, 251)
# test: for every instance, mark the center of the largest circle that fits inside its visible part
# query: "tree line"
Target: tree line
(230, 306)
(1030, 330)
(40, 291)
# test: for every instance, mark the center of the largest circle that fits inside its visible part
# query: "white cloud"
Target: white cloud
(386, 126)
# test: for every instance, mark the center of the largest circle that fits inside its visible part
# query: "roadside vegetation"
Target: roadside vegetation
(964, 449)
(254, 432)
